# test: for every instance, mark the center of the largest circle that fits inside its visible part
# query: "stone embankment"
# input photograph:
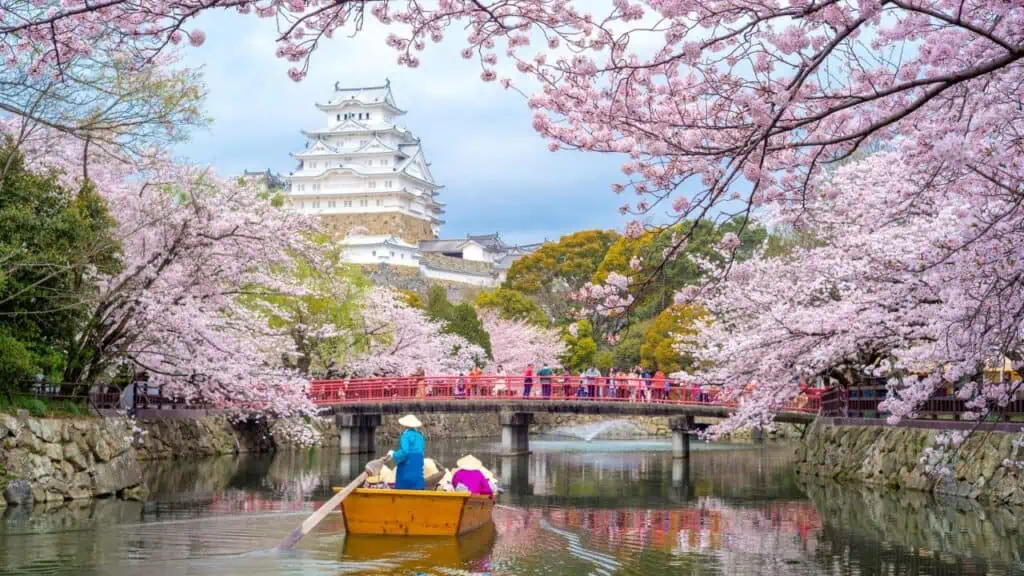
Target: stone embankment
(892, 457)
(48, 460)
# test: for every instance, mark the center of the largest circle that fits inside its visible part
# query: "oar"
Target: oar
(372, 469)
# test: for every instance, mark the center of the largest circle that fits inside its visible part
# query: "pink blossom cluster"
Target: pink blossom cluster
(399, 340)
(515, 343)
(913, 274)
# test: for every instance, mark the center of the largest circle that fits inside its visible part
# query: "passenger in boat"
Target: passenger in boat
(469, 474)
(409, 456)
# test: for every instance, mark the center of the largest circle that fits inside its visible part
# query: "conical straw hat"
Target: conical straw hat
(410, 421)
(429, 467)
(469, 462)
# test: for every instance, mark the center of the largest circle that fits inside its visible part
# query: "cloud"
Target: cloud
(497, 172)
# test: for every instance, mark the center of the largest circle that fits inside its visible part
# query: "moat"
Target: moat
(603, 507)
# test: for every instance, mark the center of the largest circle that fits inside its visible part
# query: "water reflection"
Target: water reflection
(570, 508)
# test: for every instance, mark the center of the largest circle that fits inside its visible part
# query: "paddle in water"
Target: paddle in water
(372, 469)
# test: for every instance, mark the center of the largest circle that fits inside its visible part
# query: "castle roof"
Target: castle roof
(366, 95)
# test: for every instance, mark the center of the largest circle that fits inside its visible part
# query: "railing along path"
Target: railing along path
(520, 389)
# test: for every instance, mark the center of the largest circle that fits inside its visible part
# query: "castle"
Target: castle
(369, 180)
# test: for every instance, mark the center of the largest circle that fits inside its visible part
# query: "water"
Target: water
(572, 508)
(590, 431)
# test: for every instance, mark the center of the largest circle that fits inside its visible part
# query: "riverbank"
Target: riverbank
(892, 457)
(58, 459)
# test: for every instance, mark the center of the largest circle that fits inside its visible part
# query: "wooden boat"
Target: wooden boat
(414, 512)
(418, 554)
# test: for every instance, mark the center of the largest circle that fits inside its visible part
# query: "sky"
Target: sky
(498, 173)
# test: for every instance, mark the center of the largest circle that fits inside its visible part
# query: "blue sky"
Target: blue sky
(498, 174)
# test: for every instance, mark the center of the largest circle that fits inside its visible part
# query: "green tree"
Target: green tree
(460, 319)
(658, 352)
(655, 284)
(560, 267)
(321, 322)
(51, 241)
(626, 353)
(580, 349)
(512, 305)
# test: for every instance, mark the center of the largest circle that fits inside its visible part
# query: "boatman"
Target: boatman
(409, 456)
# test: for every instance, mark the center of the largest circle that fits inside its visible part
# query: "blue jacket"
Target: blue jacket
(409, 457)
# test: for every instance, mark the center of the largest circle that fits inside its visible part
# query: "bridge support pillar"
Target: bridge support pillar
(515, 433)
(356, 432)
(681, 427)
(757, 435)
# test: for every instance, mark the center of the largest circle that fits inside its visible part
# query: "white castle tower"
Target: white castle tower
(365, 175)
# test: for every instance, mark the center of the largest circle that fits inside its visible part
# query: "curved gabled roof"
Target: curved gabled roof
(366, 95)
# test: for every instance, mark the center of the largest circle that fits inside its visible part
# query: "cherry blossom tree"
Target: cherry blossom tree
(190, 245)
(396, 339)
(515, 343)
(921, 288)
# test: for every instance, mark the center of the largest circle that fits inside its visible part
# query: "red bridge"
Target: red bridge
(358, 404)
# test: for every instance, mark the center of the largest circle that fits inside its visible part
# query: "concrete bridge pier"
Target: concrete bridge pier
(515, 433)
(757, 435)
(515, 474)
(356, 432)
(682, 427)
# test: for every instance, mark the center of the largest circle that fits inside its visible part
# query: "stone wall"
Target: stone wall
(891, 456)
(403, 226)
(411, 279)
(166, 438)
(51, 460)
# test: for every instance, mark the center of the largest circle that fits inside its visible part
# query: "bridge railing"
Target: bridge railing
(519, 388)
(865, 402)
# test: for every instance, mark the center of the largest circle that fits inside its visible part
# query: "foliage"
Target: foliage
(626, 352)
(191, 246)
(512, 305)
(734, 106)
(580, 347)
(653, 280)
(558, 268)
(52, 240)
(401, 340)
(458, 319)
(675, 325)
(516, 343)
(321, 319)
(42, 407)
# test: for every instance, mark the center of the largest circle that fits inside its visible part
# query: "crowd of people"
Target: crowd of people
(637, 385)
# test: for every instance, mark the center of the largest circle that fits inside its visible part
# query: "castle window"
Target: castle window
(316, 203)
(369, 162)
(371, 184)
(330, 203)
(348, 203)
(363, 142)
(380, 202)
(339, 117)
(389, 183)
(392, 253)
(367, 115)
(374, 252)
(362, 202)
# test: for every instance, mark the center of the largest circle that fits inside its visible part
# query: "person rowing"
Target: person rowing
(409, 456)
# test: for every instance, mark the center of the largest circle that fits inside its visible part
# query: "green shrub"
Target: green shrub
(35, 406)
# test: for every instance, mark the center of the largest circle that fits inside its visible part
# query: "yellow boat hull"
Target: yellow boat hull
(414, 512)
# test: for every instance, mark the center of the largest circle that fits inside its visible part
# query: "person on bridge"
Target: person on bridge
(528, 380)
(545, 380)
(409, 456)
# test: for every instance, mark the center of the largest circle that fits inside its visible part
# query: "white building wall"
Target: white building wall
(381, 253)
(449, 276)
